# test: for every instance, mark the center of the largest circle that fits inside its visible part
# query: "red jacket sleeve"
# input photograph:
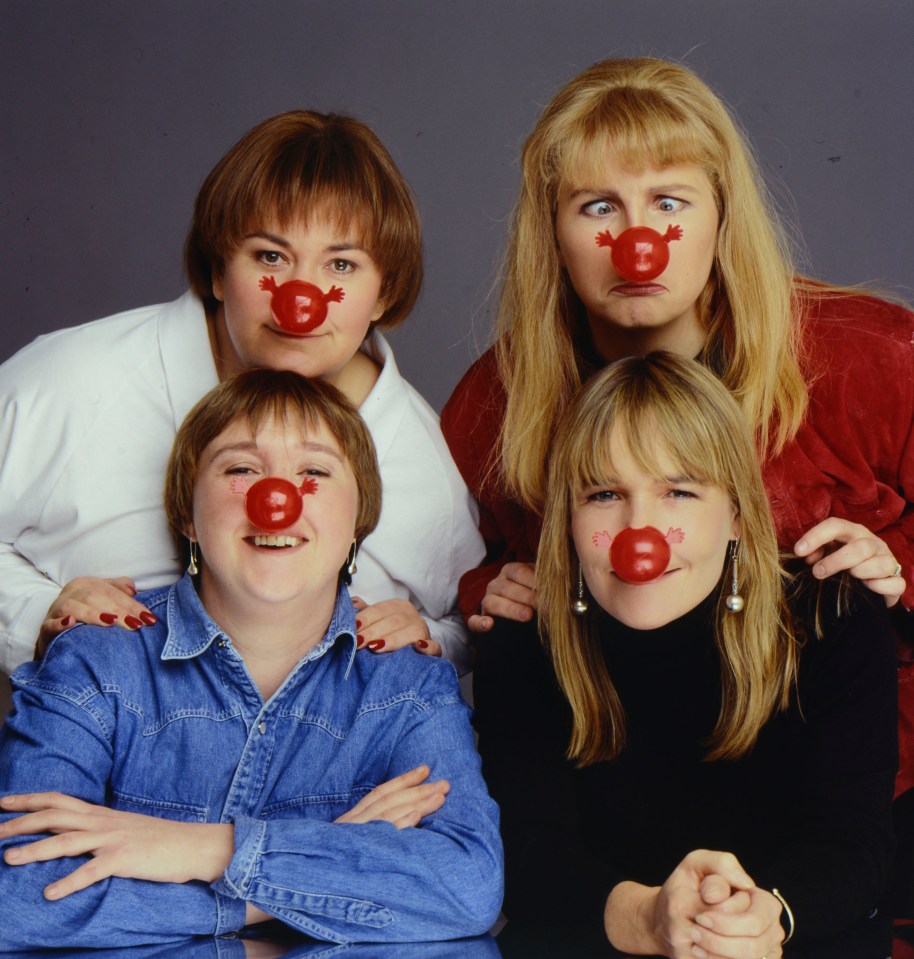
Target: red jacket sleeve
(854, 455)
(471, 422)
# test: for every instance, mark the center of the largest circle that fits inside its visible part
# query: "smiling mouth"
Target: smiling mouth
(272, 541)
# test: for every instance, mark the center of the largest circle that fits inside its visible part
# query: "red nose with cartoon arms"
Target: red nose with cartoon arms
(640, 254)
(274, 504)
(639, 555)
(299, 307)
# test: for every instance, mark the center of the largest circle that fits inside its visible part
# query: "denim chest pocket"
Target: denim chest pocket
(162, 808)
(176, 765)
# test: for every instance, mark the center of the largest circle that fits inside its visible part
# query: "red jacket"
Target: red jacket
(852, 458)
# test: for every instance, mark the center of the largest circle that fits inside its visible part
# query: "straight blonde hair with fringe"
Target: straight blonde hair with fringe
(671, 406)
(643, 113)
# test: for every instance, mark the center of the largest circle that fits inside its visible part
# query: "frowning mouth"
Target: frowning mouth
(638, 289)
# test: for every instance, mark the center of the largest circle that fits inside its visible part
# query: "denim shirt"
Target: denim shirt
(166, 721)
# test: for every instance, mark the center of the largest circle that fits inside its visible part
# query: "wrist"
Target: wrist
(215, 848)
(628, 919)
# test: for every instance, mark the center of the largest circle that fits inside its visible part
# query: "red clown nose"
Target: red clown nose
(640, 254)
(640, 555)
(299, 307)
(274, 504)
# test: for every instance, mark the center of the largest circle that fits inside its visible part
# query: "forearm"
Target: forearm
(113, 912)
(25, 595)
(452, 635)
(371, 882)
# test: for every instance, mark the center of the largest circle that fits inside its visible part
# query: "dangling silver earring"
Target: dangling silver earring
(580, 606)
(734, 602)
(193, 567)
(351, 568)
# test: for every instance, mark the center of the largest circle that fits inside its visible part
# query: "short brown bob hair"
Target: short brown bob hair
(254, 396)
(298, 165)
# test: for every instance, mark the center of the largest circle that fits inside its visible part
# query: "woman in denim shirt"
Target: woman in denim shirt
(236, 761)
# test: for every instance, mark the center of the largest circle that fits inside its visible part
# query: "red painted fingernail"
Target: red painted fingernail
(132, 622)
(107, 618)
(358, 624)
(376, 644)
(150, 619)
(422, 644)
(66, 621)
(359, 642)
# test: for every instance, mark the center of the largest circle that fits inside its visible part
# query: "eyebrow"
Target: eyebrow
(346, 245)
(662, 188)
(250, 446)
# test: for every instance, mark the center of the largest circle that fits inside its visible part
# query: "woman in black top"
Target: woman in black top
(702, 756)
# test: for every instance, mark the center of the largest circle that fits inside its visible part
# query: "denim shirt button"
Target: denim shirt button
(222, 644)
(263, 728)
(229, 935)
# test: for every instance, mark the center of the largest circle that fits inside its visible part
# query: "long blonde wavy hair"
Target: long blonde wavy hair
(643, 113)
(665, 405)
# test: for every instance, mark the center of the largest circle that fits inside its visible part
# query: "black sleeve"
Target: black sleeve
(524, 722)
(834, 863)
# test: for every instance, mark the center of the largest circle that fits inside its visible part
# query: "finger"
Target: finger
(394, 806)
(480, 624)
(861, 557)
(415, 816)
(739, 901)
(830, 530)
(428, 647)
(524, 574)
(514, 592)
(32, 802)
(64, 846)
(412, 777)
(499, 606)
(358, 602)
(714, 889)
(386, 636)
(725, 864)
(125, 584)
(86, 875)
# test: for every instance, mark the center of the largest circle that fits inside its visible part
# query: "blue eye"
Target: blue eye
(669, 204)
(598, 208)
(681, 494)
(602, 496)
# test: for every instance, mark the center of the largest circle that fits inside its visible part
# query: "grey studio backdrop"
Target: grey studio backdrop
(114, 110)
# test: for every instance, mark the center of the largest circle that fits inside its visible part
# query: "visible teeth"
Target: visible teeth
(276, 541)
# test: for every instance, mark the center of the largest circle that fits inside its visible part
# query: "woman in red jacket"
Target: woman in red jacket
(825, 376)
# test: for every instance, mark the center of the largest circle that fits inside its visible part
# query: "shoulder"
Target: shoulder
(408, 677)
(92, 354)
(87, 660)
(837, 315)
(479, 392)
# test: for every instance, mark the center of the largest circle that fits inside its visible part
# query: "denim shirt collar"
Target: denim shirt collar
(191, 630)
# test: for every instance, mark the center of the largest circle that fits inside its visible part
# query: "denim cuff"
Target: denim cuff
(236, 880)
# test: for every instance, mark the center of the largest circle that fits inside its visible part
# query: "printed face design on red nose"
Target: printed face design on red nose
(639, 555)
(640, 254)
(299, 307)
(272, 503)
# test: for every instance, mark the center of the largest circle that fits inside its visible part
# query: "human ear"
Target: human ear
(217, 286)
(736, 527)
